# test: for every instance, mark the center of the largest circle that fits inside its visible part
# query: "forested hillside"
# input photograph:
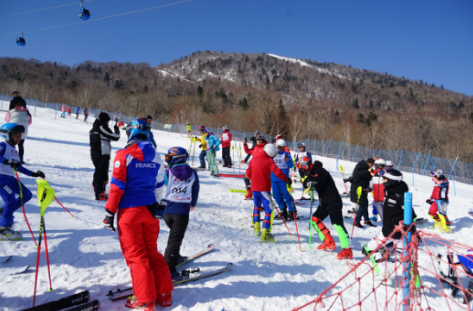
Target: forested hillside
(300, 98)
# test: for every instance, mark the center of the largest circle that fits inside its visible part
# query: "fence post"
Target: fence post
(326, 152)
(406, 241)
(414, 166)
(55, 113)
(400, 159)
(353, 160)
(425, 166)
(339, 150)
(453, 177)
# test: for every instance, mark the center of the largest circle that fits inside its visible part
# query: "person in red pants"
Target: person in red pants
(136, 187)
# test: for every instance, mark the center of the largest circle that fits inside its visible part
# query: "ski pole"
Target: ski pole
(269, 194)
(343, 176)
(310, 217)
(38, 258)
(47, 253)
(23, 207)
(233, 151)
(63, 207)
(295, 222)
(358, 193)
(239, 159)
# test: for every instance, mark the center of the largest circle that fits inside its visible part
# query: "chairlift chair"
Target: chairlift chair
(84, 14)
(21, 40)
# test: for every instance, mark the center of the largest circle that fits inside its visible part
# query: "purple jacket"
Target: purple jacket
(182, 171)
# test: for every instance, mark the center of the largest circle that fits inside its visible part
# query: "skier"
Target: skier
(253, 144)
(17, 99)
(63, 114)
(281, 194)
(303, 162)
(439, 201)
(259, 145)
(259, 172)
(203, 146)
(13, 193)
(278, 137)
(69, 111)
(213, 144)
(393, 211)
(100, 149)
(136, 189)
(21, 116)
(330, 205)
(361, 177)
(389, 165)
(182, 193)
(76, 111)
(86, 114)
(226, 144)
(149, 121)
(189, 129)
(377, 188)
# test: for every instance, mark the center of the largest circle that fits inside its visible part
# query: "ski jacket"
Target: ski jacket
(86, 111)
(361, 177)
(284, 166)
(300, 155)
(187, 186)
(377, 186)
(20, 116)
(77, 110)
(63, 108)
(189, 127)
(325, 187)
(203, 141)
(100, 137)
(394, 207)
(256, 149)
(213, 141)
(137, 177)
(259, 172)
(7, 153)
(69, 109)
(226, 139)
(440, 191)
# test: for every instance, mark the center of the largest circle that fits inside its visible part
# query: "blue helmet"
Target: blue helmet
(176, 155)
(137, 127)
(8, 128)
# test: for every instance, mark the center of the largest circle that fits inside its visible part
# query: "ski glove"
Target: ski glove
(289, 181)
(245, 140)
(429, 201)
(200, 146)
(14, 164)
(108, 221)
(349, 179)
(312, 184)
(38, 174)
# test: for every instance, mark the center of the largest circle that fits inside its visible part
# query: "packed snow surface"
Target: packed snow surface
(84, 255)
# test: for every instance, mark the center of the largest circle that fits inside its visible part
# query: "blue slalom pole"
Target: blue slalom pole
(400, 159)
(353, 160)
(426, 162)
(406, 242)
(414, 166)
(326, 152)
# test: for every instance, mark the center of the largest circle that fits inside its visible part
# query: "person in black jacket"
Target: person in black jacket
(361, 178)
(100, 149)
(393, 210)
(17, 101)
(330, 204)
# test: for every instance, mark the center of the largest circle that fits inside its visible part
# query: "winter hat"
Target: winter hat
(104, 117)
(17, 100)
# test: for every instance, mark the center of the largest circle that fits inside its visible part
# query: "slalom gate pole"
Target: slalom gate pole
(358, 192)
(47, 253)
(407, 264)
(310, 217)
(23, 206)
(63, 207)
(295, 221)
(38, 258)
(272, 203)
(233, 151)
(239, 160)
(343, 176)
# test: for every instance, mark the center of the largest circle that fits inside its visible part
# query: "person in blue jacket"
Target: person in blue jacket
(281, 194)
(149, 120)
(77, 112)
(181, 195)
(13, 193)
(213, 144)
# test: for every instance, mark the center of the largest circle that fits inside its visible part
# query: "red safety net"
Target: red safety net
(429, 282)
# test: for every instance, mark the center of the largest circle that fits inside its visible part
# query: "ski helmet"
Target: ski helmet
(147, 117)
(377, 158)
(280, 143)
(137, 127)
(176, 155)
(201, 128)
(437, 173)
(380, 163)
(104, 117)
(260, 137)
(279, 136)
(187, 123)
(12, 128)
(301, 145)
(256, 132)
(271, 150)
(225, 127)
(389, 165)
(394, 178)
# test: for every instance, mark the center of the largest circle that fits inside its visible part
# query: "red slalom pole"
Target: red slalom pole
(37, 259)
(295, 221)
(63, 206)
(47, 255)
(23, 206)
(233, 151)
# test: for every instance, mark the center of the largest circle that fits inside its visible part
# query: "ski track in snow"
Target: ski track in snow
(84, 255)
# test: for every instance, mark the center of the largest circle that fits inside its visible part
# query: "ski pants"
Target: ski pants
(303, 174)
(262, 199)
(227, 159)
(101, 164)
(21, 149)
(63, 114)
(212, 163)
(362, 212)
(247, 183)
(77, 115)
(248, 156)
(177, 225)
(10, 193)
(438, 206)
(379, 208)
(202, 155)
(282, 195)
(85, 117)
(334, 210)
(138, 233)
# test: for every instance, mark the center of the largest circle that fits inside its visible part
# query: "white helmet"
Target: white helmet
(225, 127)
(437, 173)
(271, 150)
(280, 143)
(389, 164)
(380, 163)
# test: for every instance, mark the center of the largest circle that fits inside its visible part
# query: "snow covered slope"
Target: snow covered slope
(84, 255)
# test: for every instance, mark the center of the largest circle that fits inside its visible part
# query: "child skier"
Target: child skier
(182, 193)
(303, 162)
(13, 193)
(377, 188)
(439, 201)
(189, 129)
(136, 189)
(203, 146)
(330, 205)
(259, 172)
(281, 194)
(253, 141)
(226, 144)
(213, 144)
(257, 148)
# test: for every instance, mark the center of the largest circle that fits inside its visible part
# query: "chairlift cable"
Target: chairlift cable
(45, 9)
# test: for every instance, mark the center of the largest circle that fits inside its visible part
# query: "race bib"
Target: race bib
(179, 191)
(225, 136)
(279, 161)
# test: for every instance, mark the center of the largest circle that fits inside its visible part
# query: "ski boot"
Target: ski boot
(181, 259)
(132, 303)
(7, 234)
(444, 223)
(283, 213)
(257, 226)
(358, 225)
(291, 215)
(164, 300)
(369, 223)
(267, 237)
(328, 244)
(346, 253)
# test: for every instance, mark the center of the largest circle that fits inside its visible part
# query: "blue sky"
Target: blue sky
(429, 40)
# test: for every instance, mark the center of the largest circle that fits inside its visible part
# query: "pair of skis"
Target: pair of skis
(16, 271)
(77, 302)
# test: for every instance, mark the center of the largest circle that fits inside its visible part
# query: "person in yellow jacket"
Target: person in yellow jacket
(203, 145)
(189, 129)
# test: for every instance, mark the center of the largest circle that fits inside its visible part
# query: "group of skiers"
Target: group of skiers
(68, 110)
